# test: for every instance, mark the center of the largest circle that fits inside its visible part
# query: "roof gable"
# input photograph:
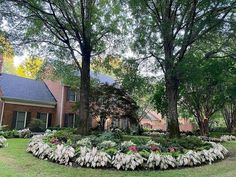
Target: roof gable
(20, 88)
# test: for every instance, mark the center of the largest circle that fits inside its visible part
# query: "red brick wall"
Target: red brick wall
(160, 123)
(56, 89)
(9, 108)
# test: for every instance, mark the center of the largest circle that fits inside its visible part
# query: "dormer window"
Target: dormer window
(71, 95)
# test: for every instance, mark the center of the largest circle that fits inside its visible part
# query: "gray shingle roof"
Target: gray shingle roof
(102, 78)
(19, 88)
(105, 79)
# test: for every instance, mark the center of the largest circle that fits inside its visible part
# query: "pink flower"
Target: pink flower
(154, 148)
(133, 148)
(172, 149)
(54, 141)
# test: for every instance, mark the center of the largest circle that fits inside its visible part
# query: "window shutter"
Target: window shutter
(13, 123)
(50, 120)
(76, 120)
(28, 119)
(66, 120)
(68, 94)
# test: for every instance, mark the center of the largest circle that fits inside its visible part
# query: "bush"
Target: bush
(10, 134)
(3, 142)
(36, 125)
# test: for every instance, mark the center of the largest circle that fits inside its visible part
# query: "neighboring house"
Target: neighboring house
(155, 121)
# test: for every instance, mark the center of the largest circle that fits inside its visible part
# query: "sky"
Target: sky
(19, 59)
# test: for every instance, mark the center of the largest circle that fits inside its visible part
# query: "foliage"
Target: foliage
(30, 67)
(108, 101)
(73, 31)
(6, 50)
(159, 99)
(130, 159)
(196, 87)
(3, 142)
(35, 125)
(167, 30)
(127, 73)
(9, 133)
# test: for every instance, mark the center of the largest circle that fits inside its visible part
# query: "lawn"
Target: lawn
(14, 161)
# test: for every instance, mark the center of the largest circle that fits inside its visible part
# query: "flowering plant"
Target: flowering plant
(133, 148)
(55, 141)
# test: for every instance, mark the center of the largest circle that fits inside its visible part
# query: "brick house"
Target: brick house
(154, 120)
(24, 99)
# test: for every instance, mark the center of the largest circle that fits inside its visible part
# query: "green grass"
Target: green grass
(15, 162)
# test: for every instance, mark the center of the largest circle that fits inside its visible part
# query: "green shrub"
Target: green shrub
(10, 134)
(36, 125)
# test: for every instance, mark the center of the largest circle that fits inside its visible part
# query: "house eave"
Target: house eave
(28, 102)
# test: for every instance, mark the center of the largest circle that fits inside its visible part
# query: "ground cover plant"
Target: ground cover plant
(111, 150)
(3, 142)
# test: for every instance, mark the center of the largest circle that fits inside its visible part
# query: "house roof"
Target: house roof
(105, 79)
(102, 78)
(23, 89)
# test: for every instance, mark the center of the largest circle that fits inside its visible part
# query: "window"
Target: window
(20, 120)
(71, 95)
(44, 119)
(69, 120)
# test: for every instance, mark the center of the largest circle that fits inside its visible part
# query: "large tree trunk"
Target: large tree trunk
(229, 114)
(172, 114)
(84, 122)
(204, 127)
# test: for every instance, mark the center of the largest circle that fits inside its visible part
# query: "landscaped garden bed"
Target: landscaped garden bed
(110, 150)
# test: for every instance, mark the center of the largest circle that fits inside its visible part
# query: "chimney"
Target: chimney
(1, 63)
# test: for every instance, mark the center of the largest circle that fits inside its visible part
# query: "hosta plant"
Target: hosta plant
(3, 142)
(124, 155)
(92, 158)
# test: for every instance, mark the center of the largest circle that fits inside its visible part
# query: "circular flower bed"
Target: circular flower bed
(3, 142)
(124, 155)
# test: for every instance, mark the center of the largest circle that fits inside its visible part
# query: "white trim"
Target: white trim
(62, 105)
(17, 118)
(47, 121)
(30, 104)
(25, 119)
(3, 107)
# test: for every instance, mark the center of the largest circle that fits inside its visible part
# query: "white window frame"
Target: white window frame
(46, 117)
(24, 119)
(75, 98)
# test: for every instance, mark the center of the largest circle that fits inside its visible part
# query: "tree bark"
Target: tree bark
(172, 114)
(229, 114)
(84, 122)
(204, 127)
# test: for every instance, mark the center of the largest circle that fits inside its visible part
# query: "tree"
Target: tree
(111, 101)
(76, 30)
(166, 30)
(6, 50)
(229, 108)
(203, 86)
(159, 99)
(127, 72)
(30, 67)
